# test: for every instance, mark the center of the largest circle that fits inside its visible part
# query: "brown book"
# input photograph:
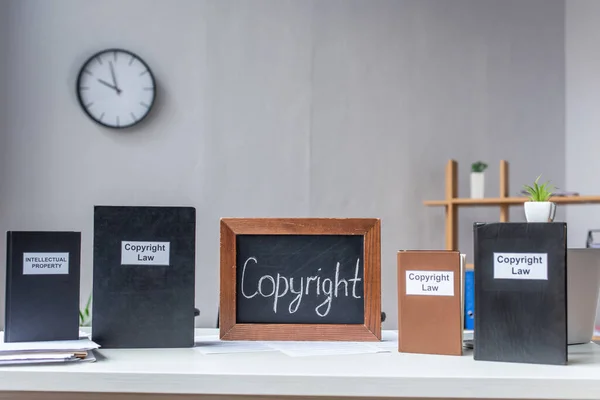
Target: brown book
(430, 305)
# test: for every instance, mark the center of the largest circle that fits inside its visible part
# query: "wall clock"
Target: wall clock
(116, 88)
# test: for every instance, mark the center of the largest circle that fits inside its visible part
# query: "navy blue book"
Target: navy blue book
(144, 277)
(42, 286)
(521, 292)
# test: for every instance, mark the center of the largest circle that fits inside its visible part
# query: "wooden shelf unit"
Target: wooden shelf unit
(452, 202)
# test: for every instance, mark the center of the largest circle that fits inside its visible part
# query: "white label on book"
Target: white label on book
(521, 266)
(145, 253)
(45, 263)
(430, 283)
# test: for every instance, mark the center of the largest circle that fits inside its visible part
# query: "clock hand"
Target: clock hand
(114, 78)
(109, 85)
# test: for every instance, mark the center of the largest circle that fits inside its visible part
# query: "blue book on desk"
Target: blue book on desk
(469, 299)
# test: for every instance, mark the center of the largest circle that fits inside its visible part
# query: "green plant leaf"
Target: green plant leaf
(539, 191)
(478, 166)
(84, 315)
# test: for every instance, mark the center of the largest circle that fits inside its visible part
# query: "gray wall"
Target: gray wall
(583, 118)
(285, 108)
(4, 137)
(4, 39)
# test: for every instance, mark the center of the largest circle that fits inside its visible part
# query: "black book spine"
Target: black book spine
(477, 299)
(8, 301)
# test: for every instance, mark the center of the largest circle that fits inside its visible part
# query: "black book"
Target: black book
(144, 277)
(42, 286)
(521, 292)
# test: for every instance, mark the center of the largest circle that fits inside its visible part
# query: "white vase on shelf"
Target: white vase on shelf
(539, 211)
(477, 185)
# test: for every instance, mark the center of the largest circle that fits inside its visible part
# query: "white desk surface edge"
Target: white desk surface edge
(187, 371)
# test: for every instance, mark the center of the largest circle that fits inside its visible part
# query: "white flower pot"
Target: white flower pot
(540, 211)
(477, 185)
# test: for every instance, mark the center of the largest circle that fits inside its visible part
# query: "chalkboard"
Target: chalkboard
(300, 279)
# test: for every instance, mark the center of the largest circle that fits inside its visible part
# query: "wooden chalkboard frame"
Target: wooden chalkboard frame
(369, 228)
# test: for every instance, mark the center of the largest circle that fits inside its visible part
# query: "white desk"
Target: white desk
(187, 371)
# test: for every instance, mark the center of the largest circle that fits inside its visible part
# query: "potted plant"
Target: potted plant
(539, 208)
(477, 179)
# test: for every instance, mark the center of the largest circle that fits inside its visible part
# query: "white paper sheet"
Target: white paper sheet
(50, 346)
(19, 360)
(36, 356)
(213, 345)
(305, 349)
(36, 361)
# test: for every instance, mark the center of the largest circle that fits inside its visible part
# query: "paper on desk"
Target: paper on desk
(19, 360)
(388, 343)
(213, 345)
(304, 349)
(49, 346)
(36, 361)
(37, 356)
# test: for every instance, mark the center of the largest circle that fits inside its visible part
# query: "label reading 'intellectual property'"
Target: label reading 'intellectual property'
(430, 283)
(145, 253)
(521, 266)
(45, 263)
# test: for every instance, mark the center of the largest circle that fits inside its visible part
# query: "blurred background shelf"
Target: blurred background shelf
(504, 202)
(511, 201)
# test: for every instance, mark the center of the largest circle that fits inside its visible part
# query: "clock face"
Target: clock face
(116, 88)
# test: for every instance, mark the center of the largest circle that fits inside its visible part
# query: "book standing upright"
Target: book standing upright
(144, 277)
(42, 286)
(430, 302)
(521, 292)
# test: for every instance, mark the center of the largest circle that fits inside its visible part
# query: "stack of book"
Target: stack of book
(58, 351)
